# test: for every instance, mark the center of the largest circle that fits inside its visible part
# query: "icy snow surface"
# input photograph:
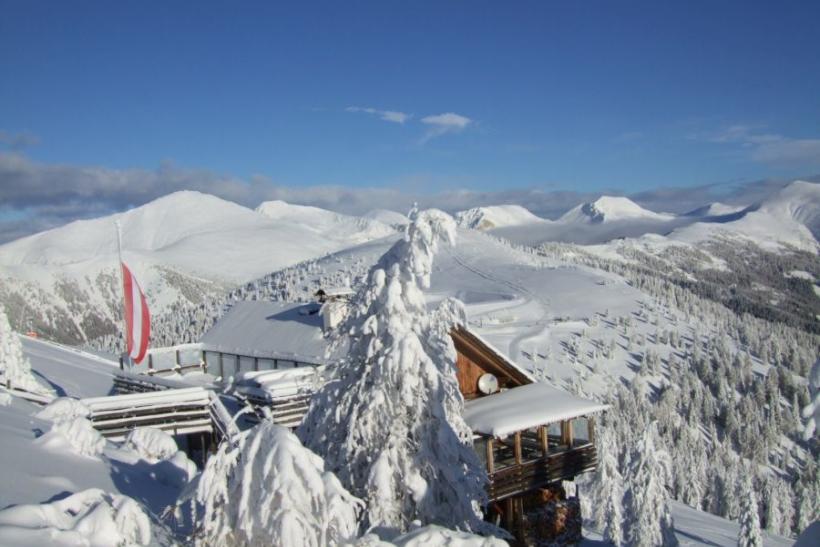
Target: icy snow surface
(524, 407)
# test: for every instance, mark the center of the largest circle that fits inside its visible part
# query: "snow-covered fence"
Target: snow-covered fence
(128, 382)
(176, 411)
(221, 362)
(283, 394)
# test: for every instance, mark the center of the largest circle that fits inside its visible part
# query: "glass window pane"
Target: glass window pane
(580, 431)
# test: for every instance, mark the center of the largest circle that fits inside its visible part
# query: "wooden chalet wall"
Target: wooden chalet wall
(475, 359)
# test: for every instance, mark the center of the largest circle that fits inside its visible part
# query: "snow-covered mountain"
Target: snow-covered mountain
(386, 216)
(182, 248)
(496, 216)
(608, 209)
(790, 216)
(715, 209)
(345, 229)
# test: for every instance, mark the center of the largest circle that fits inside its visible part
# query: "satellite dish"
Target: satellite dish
(488, 384)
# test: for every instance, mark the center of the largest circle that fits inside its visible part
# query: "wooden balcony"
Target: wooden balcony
(533, 459)
(537, 473)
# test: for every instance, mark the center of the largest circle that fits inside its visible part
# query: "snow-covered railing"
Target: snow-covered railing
(176, 411)
(127, 382)
(220, 361)
(28, 395)
(282, 394)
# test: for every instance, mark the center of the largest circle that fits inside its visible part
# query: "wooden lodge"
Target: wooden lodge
(530, 436)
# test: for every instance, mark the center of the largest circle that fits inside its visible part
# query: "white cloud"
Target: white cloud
(769, 148)
(441, 124)
(386, 115)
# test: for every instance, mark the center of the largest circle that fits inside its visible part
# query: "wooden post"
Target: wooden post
(490, 456)
(566, 433)
(509, 517)
(176, 357)
(542, 436)
(256, 363)
(517, 448)
(275, 363)
(122, 364)
(150, 363)
(204, 361)
(221, 367)
(519, 518)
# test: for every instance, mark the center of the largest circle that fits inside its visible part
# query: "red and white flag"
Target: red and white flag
(137, 318)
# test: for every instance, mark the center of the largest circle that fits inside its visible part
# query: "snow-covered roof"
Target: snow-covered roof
(270, 329)
(524, 407)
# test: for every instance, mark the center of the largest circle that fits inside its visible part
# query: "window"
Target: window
(580, 431)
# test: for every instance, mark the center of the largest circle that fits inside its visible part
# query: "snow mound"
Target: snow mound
(495, 216)
(151, 444)
(611, 209)
(433, 535)
(171, 466)
(64, 409)
(91, 517)
(76, 435)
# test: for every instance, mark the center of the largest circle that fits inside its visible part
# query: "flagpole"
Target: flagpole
(124, 355)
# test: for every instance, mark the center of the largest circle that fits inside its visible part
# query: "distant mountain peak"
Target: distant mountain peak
(611, 208)
(495, 216)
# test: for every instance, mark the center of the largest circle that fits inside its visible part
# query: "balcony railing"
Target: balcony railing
(540, 472)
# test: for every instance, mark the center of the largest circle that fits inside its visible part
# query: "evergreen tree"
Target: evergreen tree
(15, 369)
(608, 492)
(264, 487)
(749, 535)
(389, 422)
(648, 520)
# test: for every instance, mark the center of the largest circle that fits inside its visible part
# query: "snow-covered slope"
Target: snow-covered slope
(386, 216)
(715, 209)
(346, 229)
(183, 247)
(496, 216)
(791, 216)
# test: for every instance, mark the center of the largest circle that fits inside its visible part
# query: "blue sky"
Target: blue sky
(420, 96)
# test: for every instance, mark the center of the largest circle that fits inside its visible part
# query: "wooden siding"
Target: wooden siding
(475, 359)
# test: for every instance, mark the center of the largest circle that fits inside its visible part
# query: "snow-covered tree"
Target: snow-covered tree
(648, 520)
(264, 488)
(389, 422)
(608, 491)
(15, 370)
(812, 411)
(749, 535)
